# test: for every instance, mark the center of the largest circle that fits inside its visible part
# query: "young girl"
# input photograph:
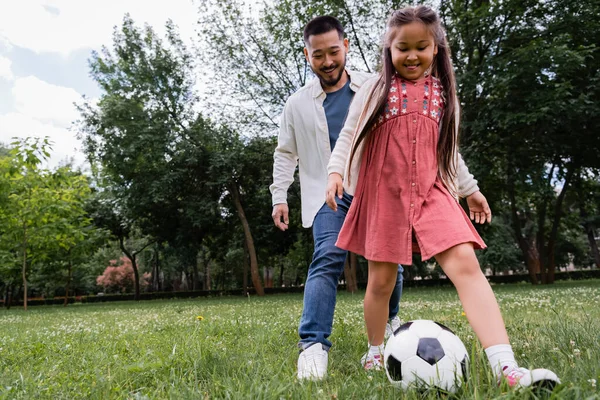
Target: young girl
(398, 154)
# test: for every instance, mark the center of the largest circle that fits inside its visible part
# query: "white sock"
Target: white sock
(374, 350)
(501, 357)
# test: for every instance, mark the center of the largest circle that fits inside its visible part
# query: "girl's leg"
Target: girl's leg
(461, 266)
(478, 300)
(381, 282)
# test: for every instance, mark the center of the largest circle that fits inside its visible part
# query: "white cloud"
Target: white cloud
(64, 143)
(5, 69)
(64, 26)
(45, 102)
(43, 109)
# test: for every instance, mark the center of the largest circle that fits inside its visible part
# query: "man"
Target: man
(310, 124)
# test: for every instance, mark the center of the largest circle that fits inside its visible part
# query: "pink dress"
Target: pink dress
(399, 195)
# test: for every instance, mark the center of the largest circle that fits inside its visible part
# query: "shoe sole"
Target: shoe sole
(544, 384)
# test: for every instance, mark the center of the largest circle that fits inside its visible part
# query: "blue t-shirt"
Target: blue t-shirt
(336, 106)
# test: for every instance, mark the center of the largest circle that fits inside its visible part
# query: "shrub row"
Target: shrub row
(498, 279)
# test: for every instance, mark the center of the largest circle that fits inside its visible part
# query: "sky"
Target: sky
(44, 51)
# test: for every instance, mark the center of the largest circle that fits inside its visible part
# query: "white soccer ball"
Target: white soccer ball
(424, 354)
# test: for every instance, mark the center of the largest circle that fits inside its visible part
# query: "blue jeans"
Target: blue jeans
(324, 273)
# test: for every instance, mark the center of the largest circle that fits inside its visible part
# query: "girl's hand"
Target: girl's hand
(479, 208)
(334, 187)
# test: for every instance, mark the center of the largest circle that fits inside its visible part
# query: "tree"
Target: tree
(524, 74)
(146, 139)
(261, 62)
(43, 210)
(106, 213)
(119, 277)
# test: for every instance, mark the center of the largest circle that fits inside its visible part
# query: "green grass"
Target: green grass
(246, 347)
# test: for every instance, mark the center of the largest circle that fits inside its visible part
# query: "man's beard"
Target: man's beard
(332, 82)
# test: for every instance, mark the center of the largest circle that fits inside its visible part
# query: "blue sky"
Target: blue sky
(44, 48)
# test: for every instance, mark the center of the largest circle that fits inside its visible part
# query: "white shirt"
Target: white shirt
(304, 141)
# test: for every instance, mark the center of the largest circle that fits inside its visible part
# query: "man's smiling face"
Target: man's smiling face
(326, 54)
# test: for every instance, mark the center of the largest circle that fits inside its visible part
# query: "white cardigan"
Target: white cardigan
(464, 183)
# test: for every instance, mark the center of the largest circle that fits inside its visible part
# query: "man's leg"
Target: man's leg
(396, 294)
(323, 276)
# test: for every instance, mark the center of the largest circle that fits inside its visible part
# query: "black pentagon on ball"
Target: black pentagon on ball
(402, 328)
(430, 350)
(394, 368)
(464, 366)
(444, 327)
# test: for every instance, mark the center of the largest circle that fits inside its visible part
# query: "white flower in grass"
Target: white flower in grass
(572, 342)
(577, 352)
(592, 382)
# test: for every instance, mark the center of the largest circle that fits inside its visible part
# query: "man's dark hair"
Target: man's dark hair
(323, 24)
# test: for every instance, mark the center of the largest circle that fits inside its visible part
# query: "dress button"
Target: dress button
(413, 184)
(414, 141)
(414, 162)
(414, 121)
(415, 100)
(411, 205)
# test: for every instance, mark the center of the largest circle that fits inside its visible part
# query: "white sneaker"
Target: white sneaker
(372, 361)
(391, 327)
(522, 377)
(312, 363)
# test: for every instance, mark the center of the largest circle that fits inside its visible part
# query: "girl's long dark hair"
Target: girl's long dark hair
(442, 69)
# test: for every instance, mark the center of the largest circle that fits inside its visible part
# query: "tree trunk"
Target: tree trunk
(587, 226)
(8, 298)
(245, 270)
(593, 245)
(156, 271)
(530, 255)
(195, 275)
(281, 275)
(207, 275)
(551, 266)
(542, 209)
(132, 256)
(235, 194)
(350, 273)
(24, 269)
(136, 274)
(69, 274)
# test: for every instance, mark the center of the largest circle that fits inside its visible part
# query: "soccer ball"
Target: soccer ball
(424, 354)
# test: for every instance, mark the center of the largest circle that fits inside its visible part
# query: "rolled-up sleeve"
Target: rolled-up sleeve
(467, 184)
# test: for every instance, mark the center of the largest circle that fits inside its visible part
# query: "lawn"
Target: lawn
(234, 347)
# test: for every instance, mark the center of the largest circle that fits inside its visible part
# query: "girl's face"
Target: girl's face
(413, 49)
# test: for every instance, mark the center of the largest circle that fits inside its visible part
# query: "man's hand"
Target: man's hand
(335, 187)
(281, 216)
(479, 208)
